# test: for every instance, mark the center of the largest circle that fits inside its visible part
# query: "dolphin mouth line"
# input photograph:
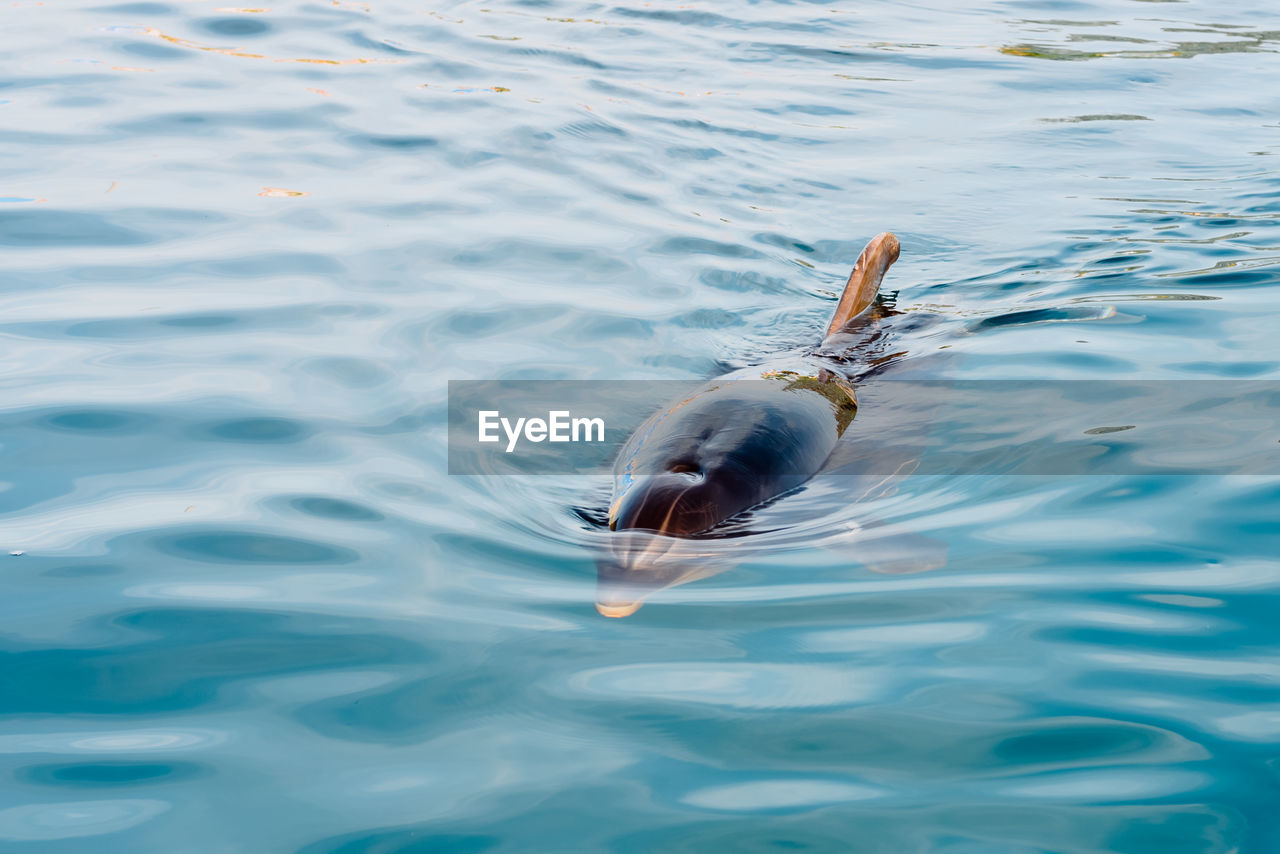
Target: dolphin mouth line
(643, 563)
(618, 611)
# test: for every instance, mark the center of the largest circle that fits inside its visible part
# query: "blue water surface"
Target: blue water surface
(243, 249)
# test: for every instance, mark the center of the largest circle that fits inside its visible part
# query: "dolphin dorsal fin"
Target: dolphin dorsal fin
(864, 281)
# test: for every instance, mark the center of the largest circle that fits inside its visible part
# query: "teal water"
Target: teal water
(243, 249)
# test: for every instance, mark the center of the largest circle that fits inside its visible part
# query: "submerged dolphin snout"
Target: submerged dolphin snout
(640, 563)
(631, 571)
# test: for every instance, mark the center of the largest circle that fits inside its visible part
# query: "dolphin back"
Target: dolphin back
(734, 443)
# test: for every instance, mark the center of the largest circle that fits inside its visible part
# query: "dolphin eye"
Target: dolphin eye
(684, 468)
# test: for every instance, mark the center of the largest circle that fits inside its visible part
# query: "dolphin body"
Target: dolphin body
(735, 443)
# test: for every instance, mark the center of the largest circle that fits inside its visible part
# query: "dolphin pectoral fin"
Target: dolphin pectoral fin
(905, 554)
(880, 548)
(864, 282)
(896, 553)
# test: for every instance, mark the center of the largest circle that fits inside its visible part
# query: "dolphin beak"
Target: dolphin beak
(634, 568)
(641, 563)
(618, 611)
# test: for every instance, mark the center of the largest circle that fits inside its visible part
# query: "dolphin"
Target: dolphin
(737, 442)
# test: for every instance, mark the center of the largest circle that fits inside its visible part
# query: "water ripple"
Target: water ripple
(244, 249)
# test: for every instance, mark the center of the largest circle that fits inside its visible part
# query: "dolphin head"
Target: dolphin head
(681, 501)
(719, 452)
(655, 522)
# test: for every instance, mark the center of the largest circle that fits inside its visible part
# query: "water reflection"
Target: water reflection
(1162, 34)
(245, 604)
